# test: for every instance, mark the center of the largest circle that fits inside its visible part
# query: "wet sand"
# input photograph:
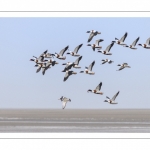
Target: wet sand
(75, 120)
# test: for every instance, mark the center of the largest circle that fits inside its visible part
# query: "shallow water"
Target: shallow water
(73, 121)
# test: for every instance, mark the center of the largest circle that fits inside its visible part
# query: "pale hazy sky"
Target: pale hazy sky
(22, 87)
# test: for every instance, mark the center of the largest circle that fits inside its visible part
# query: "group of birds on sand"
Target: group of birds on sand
(43, 63)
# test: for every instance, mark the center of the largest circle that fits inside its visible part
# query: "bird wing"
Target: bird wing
(124, 37)
(104, 62)
(114, 97)
(77, 60)
(91, 66)
(90, 37)
(77, 48)
(63, 50)
(38, 69)
(134, 43)
(107, 97)
(122, 67)
(64, 104)
(66, 76)
(148, 41)
(98, 41)
(109, 47)
(43, 70)
(98, 88)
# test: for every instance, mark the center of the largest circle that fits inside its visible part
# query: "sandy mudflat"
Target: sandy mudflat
(75, 120)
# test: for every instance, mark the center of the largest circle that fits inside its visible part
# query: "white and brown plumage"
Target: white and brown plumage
(68, 73)
(76, 63)
(107, 60)
(121, 41)
(96, 45)
(112, 100)
(38, 60)
(68, 66)
(132, 46)
(97, 89)
(106, 51)
(88, 70)
(64, 101)
(124, 65)
(92, 34)
(146, 45)
(60, 55)
(75, 52)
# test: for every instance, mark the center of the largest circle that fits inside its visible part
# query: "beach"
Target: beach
(75, 120)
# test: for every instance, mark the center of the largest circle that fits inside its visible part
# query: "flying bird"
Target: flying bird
(92, 34)
(96, 45)
(38, 60)
(146, 45)
(97, 89)
(68, 73)
(76, 63)
(106, 51)
(132, 46)
(121, 41)
(112, 101)
(75, 52)
(60, 55)
(69, 65)
(64, 101)
(124, 65)
(88, 70)
(107, 60)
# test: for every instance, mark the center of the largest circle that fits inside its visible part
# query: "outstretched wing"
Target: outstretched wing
(98, 41)
(103, 62)
(90, 37)
(124, 37)
(148, 41)
(77, 48)
(91, 66)
(66, 76)
(98, 88)
(77, 60)
(114, 97)
(64, 104)
(38, 69)
(122, 67)
(107, 97)
(43, 70)
(63, 50)
(134, 43)
(109, 47)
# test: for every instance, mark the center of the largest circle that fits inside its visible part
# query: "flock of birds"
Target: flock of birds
(42, 62)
